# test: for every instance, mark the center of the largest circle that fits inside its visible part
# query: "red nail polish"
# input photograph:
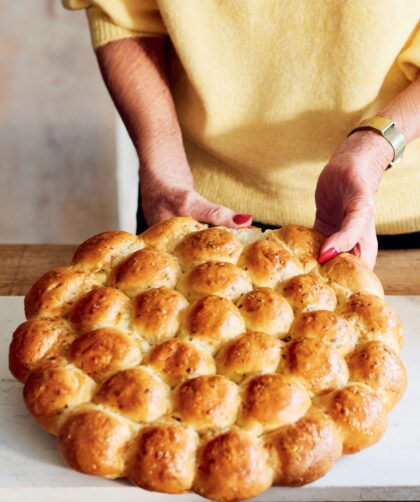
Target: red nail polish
(328, 255)
(241, 218)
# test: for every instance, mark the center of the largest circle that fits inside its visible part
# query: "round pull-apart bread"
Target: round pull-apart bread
(209, 359)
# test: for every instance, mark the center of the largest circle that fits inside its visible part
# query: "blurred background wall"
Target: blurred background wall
(58, 173)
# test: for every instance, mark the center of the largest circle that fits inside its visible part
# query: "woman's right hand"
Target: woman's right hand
(166, 198)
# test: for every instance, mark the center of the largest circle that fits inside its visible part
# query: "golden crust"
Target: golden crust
(346, 273)
(270, 401)
(232, 466)
(326, 326)
(157, 314)
(214, 278)
(211, 244)
(166, 234)
(94, 442)
(164, 458)
(269, 264)
(249, 354)
(135, 393)
(306, 450)
(304, 242)
(359, 414)
(100, 308)
(36, 341)
(209, 359)
(377, 365)
(212, 320)
(56, 291)
(207, 402)
(308, 292)
(178, 360)
(145, 269)
(264, 309)
(373, 319)
(52, 389)
(105, 250)
(317, 364)
(103, 351)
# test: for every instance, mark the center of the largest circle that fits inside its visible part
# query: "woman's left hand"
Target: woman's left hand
(345, 196)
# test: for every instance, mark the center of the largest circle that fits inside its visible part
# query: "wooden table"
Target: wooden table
(22, 264)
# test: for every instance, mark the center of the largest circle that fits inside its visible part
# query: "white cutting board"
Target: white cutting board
(31, 468)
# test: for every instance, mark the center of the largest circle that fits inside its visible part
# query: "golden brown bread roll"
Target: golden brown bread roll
(136, 393)
(37, 340)
(177, 360)
(104, 351)
(346, 274)
(94, 442)
(249, 354)
(306, 450)
(105, 250)
(318, 365)
(166, 234)
(145, 269)
(270, 401)
(100, 308)
(373, 319)
(214, 278)
(157, 314)
(164, 458)
(207, 402)
(264, 309)
(308, 292)
(53, 388)
(232, 466)
(358, 413)
(209, 359)
(304, 242)
(212, 320)
(269, 264)
(326, 326)
(211, 244)
(56, 291)
(377, 365)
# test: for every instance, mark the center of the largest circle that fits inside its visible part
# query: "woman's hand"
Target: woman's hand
(134, 70)
(345, 196)
(175, 196)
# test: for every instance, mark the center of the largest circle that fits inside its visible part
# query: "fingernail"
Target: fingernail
(241, 218)
(328, 255)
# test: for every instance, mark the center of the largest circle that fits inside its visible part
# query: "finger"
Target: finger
(356, 220)
(207, 212)
(368, 246)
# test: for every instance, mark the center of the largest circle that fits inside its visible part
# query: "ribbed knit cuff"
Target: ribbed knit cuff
(103, 30)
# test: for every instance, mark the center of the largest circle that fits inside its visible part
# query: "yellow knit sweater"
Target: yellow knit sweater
(265, 90)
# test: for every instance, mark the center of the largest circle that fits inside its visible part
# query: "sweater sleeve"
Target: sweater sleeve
(409, 58)
(117, 19)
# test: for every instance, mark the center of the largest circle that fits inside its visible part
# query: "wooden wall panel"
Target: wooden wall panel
(57, 148)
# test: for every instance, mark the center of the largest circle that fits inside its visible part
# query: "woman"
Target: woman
(236, 106)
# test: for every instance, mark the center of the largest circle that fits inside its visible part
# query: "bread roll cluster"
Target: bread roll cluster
(209, 359)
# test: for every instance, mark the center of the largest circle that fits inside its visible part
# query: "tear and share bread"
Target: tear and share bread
(215, 360)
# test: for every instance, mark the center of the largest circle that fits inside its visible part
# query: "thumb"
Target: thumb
(358, 216)
(207, 212)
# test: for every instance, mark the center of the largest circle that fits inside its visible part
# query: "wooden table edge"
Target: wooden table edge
(22, 264)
